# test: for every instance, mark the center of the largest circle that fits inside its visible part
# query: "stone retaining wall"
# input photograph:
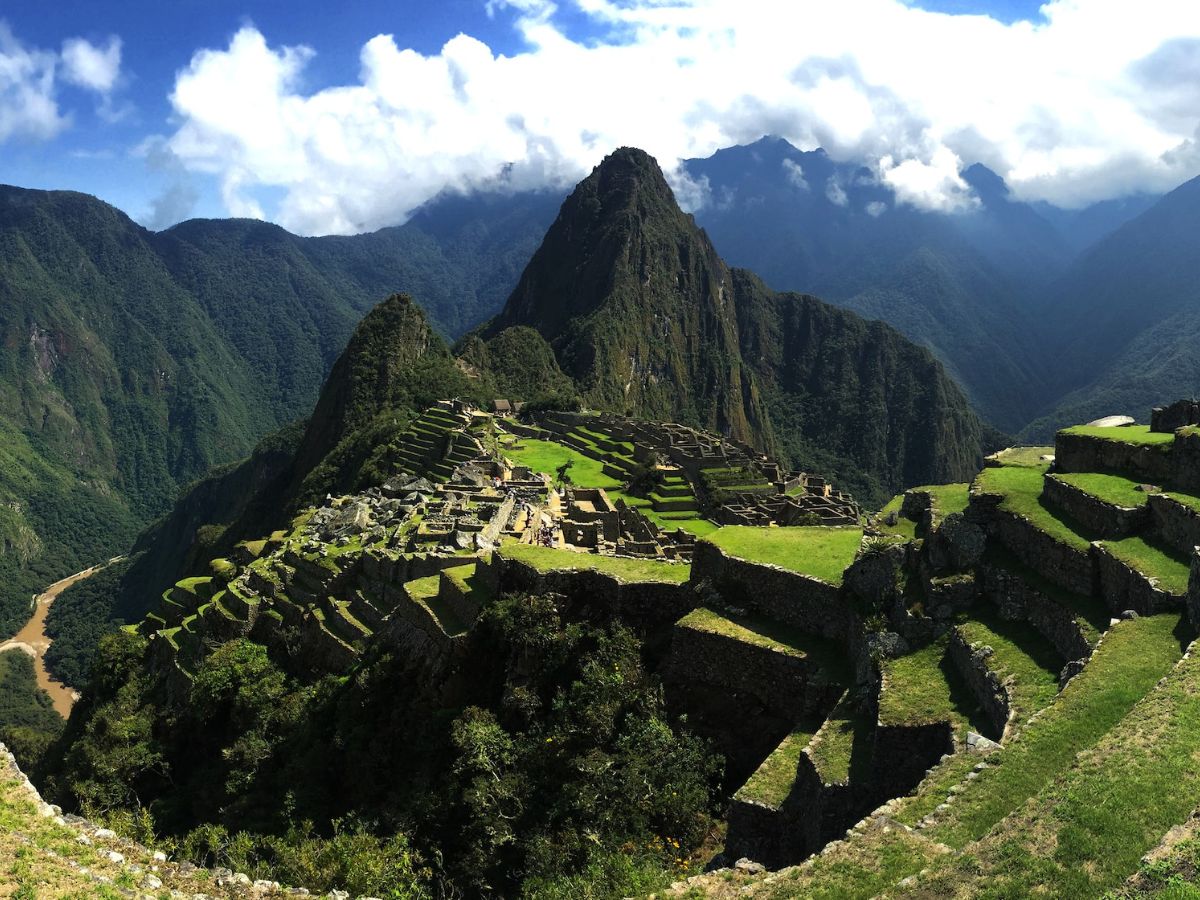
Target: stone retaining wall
(1192, 599)
(781, 681)
(984, 682)
(649, 607)
(1174, 523)
(1105, 519)
(799, 600)
(1083, 453)
(1015, 598)
(1067, 567)
(1185, 458)
(1123, 587)
(903, 753)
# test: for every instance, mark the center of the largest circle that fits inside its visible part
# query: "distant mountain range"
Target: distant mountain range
(134, 362)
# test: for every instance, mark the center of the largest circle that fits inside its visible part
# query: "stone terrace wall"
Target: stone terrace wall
(791, 684)
(903, 753)
(1193, 592)
(1175, 524)
(799, 600)
(1105, 519)
(649, 607)
(1067, 567)
(984, 682)
(1016, 599)
(1185, 457)
(1082, 453)
(1124, 588)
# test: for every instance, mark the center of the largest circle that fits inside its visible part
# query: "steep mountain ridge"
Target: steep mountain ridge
(1124, 316)
(644, 314)
(135, 362)
(958, 282)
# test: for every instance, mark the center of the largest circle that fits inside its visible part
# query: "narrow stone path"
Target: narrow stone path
(32, 639)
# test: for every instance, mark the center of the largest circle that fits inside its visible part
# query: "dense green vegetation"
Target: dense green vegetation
(957, 283)
(83, 614)
(559, 760)
(823, 553)
(1123, 319)
(28, 721)
(132, 363)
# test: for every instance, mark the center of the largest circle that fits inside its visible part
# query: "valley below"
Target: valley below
(33, 640)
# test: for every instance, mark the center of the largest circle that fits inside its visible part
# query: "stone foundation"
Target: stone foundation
(992, 694)
(1071, 569)
(1017, 599)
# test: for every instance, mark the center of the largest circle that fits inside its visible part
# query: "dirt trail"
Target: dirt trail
(32, 639)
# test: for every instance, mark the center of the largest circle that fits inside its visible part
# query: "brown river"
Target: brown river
(32, 639)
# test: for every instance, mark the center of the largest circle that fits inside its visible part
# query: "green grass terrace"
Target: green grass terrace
(819, 551)
(550, 559)
(1165, 566)
(1115, 489)
(1021, 490)
(1124, 434)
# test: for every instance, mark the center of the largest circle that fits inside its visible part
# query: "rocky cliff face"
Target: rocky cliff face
(638, 306)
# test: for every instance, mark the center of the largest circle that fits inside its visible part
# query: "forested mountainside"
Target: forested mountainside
(133, 363)
(625, 307)
(1125, 317)
(959, 282)
(649, 321)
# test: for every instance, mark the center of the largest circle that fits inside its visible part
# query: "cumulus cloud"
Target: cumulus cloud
(28, 107)
(1083, 104)
(29, 104)
(92, 67)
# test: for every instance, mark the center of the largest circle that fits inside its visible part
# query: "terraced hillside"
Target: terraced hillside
(1076, 557)
(965, 691)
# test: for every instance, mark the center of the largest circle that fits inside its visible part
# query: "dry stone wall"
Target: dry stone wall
(1015, 598)
(789, 597)
(992, 694)
(1084, 453)
(1175, 523)
(1068, 567)
(1124, 588)
(1104, 519)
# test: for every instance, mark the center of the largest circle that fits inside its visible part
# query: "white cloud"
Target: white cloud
(92, 67)
(835, 193)
(934, 185)
(794, 174)
(876, 208)
(1091, 101)
(29, 103)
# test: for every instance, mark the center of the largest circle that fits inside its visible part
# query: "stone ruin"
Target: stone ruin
(783, 497)
(1181, 413)
(590, 519)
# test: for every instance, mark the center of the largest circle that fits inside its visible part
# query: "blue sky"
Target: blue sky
(325, 129)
